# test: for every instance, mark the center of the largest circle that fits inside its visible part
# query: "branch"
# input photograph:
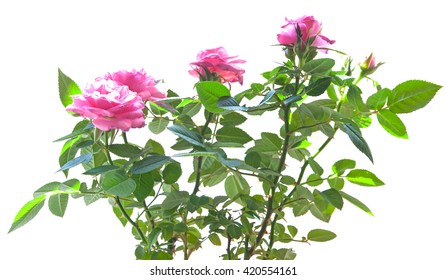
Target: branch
(200, 158)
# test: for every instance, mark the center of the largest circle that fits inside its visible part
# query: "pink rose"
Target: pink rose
(309, 28)
(139, 82)
(109, 105)
(219, 65)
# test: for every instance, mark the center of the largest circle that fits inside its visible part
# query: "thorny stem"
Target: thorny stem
(302, 171)
(135, 225)
(118, 200)
(321, 148)
(228, 248)
(269, 210)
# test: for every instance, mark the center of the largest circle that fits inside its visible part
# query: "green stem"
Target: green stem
(246, 254)
(271, 236)
(200, 158)
(118, 200)
(107, 151)
(186, 254)
(124, 136)
(135, 225)
(321, 148)
(269, 210)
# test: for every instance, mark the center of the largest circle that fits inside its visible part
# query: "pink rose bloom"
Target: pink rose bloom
(309, 28)
(110, 106)
(217, 62)
(139, 82)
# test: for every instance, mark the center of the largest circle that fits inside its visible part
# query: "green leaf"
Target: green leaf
(235, 186)
(377, 100)
(284, 254)
(270, 142)
(58, 204)
(180, 227)
(314, 180)
(192, 109)
(257, 88)
(27, 212)
(364, 178)
(154, 147)
(117, 182)
(172, 172)
(209, 93)
(292, 99)
(188, 135)
(67, 88)
(215, 239)
(230, 104)
(354, 97)
(144, 185)
(318, 87)
(357, 139)
(411, 95)
(320, 208)
(333, 197)
(174, 199)
(86, 158)
(153, 237)
(320, 235)
(68, 152)
(196, 154)
(124, 150)
(356, 202)
(267, 97)
(320, 65)
(342, 165)
(253, 159)
(232, 135)
(315, 166)
(234, 231)
(158, 125)
(100, 169)
(86, 127)
(392, 123)
(97, 159)
(292, 229)
(149, 163)
(232, 119)
(336, 183)
(50, 187)
(331, 92)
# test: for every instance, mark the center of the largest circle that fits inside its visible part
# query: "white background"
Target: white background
(404, 240)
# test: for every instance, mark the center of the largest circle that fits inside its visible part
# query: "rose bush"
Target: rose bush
(164, 193)
(216, 65)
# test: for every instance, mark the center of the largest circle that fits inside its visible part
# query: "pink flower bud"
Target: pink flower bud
(369, 65)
